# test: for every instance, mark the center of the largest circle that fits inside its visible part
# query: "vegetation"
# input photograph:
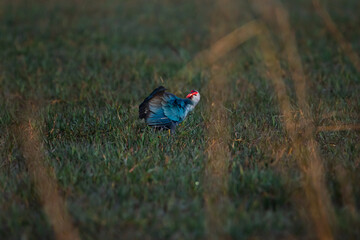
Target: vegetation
(76, 71)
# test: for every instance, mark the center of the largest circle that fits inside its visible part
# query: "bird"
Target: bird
(163, 110)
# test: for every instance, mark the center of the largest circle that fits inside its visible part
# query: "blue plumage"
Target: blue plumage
(165, 110)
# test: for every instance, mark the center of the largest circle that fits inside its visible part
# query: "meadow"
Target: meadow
(272, 151)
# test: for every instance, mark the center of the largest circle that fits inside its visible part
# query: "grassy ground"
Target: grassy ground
(87, 65)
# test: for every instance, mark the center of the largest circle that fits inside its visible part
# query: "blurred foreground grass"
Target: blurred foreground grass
(87, 65)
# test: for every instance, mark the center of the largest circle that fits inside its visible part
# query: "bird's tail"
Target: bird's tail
(144, 106)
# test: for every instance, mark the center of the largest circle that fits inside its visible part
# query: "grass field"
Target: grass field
(75, 161)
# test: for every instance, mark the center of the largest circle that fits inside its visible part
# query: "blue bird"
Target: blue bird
(164, 110)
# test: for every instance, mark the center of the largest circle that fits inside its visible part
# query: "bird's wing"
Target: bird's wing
(151, 109)
(144, 109)
(157, 117)
(175, 107)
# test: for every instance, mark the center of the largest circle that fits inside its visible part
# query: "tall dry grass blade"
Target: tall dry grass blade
(45, 183)
(304, 148)
(216, 175)
(274, 73)
(220, 48)
(216, 168)
(345, 127)
(302, 135)
(225, 45)
(306, 122)
(332, 28)
(218, 153)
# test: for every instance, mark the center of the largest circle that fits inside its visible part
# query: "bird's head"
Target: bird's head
(194, 96)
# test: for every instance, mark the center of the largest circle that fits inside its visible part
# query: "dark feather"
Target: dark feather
(144, 110)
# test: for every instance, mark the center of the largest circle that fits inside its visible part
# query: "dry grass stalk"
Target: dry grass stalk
(304, 148)
(216, 169)
(302, 135)
(345, 127)
(306, 121)
(332, 28)
(46, 187)
(221, 47)
(226, 44)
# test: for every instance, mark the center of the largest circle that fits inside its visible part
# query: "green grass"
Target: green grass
(89, 65)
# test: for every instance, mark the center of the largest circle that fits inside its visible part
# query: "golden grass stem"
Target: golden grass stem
(345, 127)
(305, 147)
(218, 153)
(45, 183)
(332, 28)
(221, 48)
(225, 45)
(305, 151)
(216, 175)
